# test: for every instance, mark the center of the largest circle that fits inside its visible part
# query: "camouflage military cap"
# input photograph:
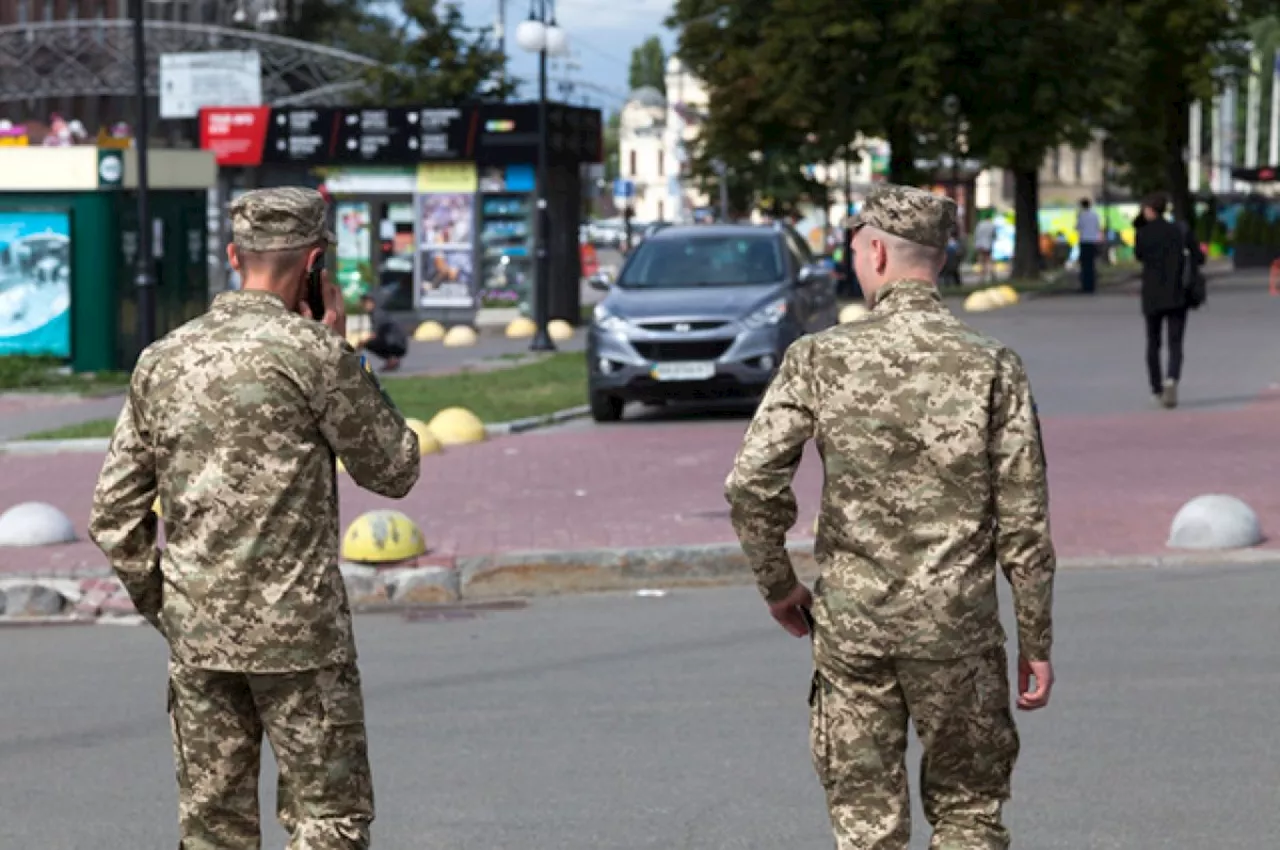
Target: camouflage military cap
(912, 214)
(279, 219)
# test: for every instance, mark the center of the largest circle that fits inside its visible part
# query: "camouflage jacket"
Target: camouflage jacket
(934, 474)
(233, 420)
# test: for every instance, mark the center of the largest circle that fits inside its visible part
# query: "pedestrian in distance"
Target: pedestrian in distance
(234, 421)
(389, 341)
(1172, 284)
(934, 479)
(1089, 241)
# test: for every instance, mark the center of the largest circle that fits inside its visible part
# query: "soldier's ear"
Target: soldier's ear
(233, 257)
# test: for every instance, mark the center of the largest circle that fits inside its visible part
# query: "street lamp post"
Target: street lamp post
(144, 280)
(539, 34)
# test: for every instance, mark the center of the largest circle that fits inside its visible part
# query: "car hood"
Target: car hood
(698, 302)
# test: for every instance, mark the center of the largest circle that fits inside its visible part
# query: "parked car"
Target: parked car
(703, 312)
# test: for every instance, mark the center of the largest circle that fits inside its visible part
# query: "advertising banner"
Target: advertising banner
(353, 275)
(35, 283)
(444, 275)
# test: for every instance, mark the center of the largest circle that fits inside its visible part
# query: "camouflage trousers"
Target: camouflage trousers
(314, 721)
(859, 710)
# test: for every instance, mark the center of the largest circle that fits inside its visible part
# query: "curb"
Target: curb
(489, 580)
(101, 444)
(531, 423)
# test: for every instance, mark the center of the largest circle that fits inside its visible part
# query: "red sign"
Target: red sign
(236, 135)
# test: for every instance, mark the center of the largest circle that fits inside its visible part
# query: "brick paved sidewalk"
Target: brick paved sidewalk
(1116, 482)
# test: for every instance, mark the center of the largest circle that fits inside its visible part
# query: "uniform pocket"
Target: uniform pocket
(173, 709)
(819, 728)
(347, 775)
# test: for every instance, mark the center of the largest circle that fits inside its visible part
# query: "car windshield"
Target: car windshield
(704, 260)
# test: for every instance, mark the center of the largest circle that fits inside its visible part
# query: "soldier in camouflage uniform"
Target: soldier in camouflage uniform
(234, 421)
(934, 474)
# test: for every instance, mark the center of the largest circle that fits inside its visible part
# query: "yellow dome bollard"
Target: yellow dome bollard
(521, 328)
(1009, 293)
(460, 336)
(456, 426)
(429, 332)
(382, 537)
(560, 330)
(980, 302)
(851, 313)
(427, 442)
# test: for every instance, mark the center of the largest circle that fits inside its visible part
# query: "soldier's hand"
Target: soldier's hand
(787, 611)
(335, 306)
(1042, 672)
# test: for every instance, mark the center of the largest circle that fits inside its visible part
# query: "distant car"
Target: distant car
(703, 312)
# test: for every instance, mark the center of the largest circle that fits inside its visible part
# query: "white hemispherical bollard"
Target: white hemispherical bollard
(35, 524)
(1215, 522)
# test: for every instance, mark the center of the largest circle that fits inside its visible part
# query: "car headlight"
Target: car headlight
(770, 314)
(608, 322)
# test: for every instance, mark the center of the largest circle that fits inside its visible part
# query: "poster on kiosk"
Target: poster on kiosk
(444, 216)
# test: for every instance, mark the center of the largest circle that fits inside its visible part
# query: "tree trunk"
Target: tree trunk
(1026, 209)
(902, 155)
(1175, 142)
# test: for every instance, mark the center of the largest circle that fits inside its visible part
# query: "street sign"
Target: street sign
(623, 188)
(360, 136)
(189, 81)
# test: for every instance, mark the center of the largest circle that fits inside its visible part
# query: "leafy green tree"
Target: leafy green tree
(1029, 75)
(1174, 53)
(648, 66)
(429, 55)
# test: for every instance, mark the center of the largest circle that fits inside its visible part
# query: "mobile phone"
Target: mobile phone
(807, 616)
(315, 289)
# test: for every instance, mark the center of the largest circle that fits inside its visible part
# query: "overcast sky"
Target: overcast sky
(602, 34)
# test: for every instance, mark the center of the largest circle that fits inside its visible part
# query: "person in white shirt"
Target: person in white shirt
(984, 241)
(1089, 228)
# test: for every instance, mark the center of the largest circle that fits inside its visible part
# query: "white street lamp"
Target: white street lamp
(539, 34)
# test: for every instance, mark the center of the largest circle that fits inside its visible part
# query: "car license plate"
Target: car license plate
(683, 371)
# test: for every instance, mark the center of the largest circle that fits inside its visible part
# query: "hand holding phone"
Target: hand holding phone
(315, 290)
(322, 301)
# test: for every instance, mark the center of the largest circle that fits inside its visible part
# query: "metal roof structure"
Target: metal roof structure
(87, 58)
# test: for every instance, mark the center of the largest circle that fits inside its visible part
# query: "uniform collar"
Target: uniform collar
(238, 299)
(906, 293)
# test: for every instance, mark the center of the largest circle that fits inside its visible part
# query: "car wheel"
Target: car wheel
(605, 408)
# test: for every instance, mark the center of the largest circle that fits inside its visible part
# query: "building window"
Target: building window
(661, 212)
(1057, 164)
(73, 10)
(633, 164)
(48, 11)
(1079, 166)
(662, 163)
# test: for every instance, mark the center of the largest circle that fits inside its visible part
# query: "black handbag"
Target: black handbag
(1193, 280)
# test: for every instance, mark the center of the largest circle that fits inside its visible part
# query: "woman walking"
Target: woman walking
(1164, 248)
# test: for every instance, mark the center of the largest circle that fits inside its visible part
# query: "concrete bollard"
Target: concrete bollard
(1215, 521)
(35, 524)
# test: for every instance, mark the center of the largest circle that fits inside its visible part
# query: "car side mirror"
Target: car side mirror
(600, 281)
(810, 274)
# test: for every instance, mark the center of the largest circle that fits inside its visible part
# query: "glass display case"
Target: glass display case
(506, 224)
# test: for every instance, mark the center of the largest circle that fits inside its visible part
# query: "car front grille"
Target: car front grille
(666, 352)
(684, 327)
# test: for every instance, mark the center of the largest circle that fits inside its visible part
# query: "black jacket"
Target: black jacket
(1158, 245)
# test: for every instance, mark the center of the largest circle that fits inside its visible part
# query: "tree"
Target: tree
(429, 56)
(1175, 53)
(1029, 75)
(648, 66)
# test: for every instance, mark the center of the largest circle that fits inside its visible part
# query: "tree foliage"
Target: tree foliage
(648, 66)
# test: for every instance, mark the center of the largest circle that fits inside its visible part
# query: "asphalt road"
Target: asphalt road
(612, 722)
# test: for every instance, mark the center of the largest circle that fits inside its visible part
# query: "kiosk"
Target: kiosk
(437, 203)
(68, 250)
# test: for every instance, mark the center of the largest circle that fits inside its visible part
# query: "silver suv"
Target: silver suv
(703, 312)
